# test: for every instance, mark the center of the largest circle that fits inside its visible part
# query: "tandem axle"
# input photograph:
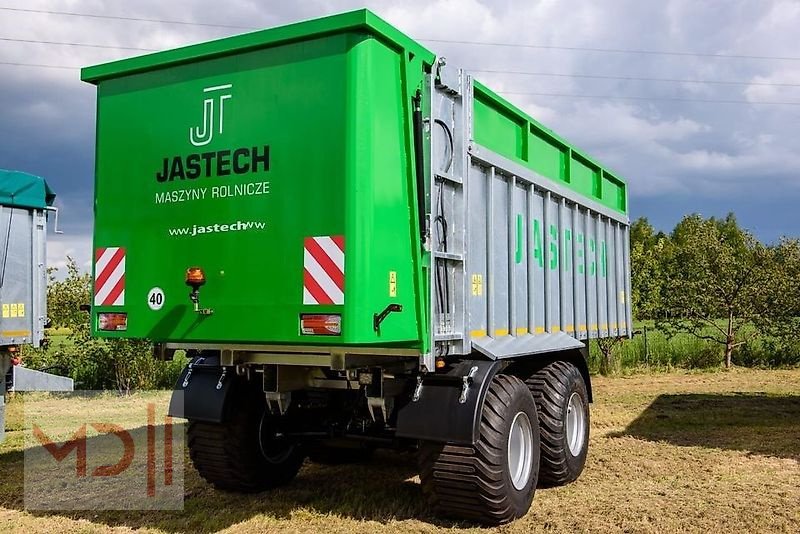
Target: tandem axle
(385, 396)
(257, 412)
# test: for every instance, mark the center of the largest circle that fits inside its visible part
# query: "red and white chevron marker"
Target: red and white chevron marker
(323, 270)
(109, 276)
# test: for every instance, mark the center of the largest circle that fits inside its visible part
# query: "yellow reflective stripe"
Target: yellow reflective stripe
(15, 333)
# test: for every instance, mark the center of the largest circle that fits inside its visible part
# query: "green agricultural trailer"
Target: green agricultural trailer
(359, 246)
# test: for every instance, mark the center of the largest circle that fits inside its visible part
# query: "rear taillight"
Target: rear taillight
(321, 324)
(112, 322)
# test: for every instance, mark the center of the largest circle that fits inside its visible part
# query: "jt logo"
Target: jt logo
(215, 98)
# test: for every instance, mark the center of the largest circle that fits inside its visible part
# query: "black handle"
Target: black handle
(378, 318)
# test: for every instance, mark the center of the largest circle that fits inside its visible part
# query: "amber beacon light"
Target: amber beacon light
(196, 278)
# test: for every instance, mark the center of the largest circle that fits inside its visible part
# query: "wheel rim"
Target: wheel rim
(520, 450)
(275, 450)
(576, 424)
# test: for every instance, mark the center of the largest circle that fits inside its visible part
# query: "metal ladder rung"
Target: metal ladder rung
(441, 175)
(448, 256)
(448, 337)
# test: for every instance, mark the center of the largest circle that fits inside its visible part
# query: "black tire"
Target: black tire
(474, 482)
(243, 454)
(552, 387)
(326, 455)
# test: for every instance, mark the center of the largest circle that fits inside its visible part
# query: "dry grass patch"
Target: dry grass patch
(669, 453)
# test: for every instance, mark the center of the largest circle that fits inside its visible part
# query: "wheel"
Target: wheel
(243, 454)
(328, 455)
(493, 481)
(563, 405)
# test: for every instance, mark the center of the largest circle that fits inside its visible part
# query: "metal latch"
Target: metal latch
(222, 377)
(188, 375)
(190, 370)
(466, 382)
(418, 389)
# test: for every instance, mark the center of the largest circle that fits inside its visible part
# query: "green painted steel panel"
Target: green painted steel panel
(502, 127)
(24, 190)
(547, 158)
(333, 114)
(585, 177)
(614, 192)
(499, 130)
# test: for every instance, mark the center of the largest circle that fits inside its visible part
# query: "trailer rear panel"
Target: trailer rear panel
(280, 168)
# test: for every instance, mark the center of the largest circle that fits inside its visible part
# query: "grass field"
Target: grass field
(669, 452)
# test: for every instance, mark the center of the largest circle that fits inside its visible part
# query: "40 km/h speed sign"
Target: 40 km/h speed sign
(155, 298)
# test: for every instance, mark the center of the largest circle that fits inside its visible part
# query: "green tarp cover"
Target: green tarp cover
(24, 190)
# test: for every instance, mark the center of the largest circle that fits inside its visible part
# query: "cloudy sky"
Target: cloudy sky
(695, 103)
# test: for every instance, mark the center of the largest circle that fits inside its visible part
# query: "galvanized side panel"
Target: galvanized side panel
(23, 282)
(544, 266)
(24, 379)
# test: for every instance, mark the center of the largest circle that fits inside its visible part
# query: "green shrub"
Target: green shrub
(94, 364)
(768, 353)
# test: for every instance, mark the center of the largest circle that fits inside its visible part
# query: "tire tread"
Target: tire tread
(228, 454)
(550, 387)
(467, 481)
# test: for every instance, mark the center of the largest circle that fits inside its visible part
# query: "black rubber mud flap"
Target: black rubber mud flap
(201, 392)
(442, 412)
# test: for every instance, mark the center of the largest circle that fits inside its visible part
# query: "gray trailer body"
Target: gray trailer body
(526, 265)
(24, 202)
(23, 275)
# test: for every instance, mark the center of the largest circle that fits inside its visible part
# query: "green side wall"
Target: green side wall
(500, 126)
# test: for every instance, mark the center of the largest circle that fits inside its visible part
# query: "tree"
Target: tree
(782, 323)
(607, 345)
(716, 275)
(64, 297)
(647, 277)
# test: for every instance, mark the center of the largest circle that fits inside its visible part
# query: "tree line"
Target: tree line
(716, 281)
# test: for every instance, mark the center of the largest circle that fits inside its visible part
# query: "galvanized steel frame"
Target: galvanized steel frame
(597, 223)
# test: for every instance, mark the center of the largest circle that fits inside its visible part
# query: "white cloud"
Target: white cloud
(778, 92)
(77, 247)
